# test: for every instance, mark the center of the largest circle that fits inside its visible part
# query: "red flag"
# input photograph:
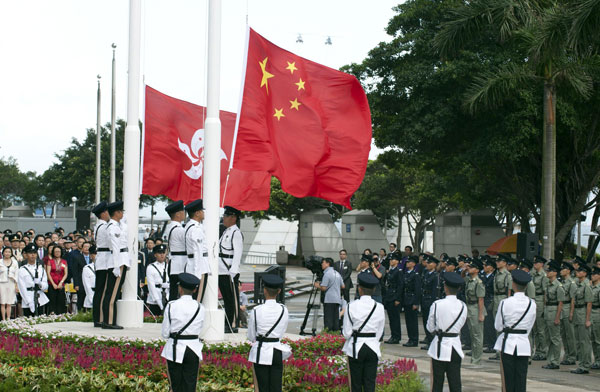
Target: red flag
(306, 124)
(174, 149)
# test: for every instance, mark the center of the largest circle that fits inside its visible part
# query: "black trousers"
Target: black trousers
(155, 309)
(112, 293)
(184, 375)
(331, 317)
(269, 377)
(58, 300)
(173, 287)
(229, 291)
(412, 323)
(489, 332)
(346, 291)
(514, 371)
(393, 312)
(425, 307)
(363, 370)
(80, 298)
(98, 292)
(442, 369)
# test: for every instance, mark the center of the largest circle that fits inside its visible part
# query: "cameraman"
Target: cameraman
(370, 264)
(332, 285)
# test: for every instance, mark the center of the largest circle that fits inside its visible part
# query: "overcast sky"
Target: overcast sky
(53, 50)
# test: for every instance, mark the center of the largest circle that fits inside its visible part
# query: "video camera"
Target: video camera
(313, 263)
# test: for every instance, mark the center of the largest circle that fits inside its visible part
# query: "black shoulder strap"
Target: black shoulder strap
(171, 232)
(185, 237)
(189, 322)
(462, 309)
(97, 230)
(368, 318)
(522, 316)
(164, 278)
(348, 313)
(276, 322)
(29, 272)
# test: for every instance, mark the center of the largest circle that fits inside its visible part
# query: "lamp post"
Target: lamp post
(74, 200)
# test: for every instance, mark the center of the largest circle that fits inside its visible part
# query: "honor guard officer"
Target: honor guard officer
(231, 246)
(445, 321)
(363, 328)
(429, 284)
(489, 332)
(567, 332)
(540, 283)
(475, 294)
(267, 325)
(553, 302)
(174, 235)
(596, 317)
(411, 299)
(182, 325)
(32, 282)
(195, 246)
(102, 247)
(502, 286)
(158, 281)
(514, 321)
(88, 277)
(393, 298)
(117, 265)
(582, 321)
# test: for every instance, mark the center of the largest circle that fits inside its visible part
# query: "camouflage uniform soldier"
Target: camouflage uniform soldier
(540, 282)
(567, 332)
(474, 295)
(582, 320)
(596, 317)
(554, 299)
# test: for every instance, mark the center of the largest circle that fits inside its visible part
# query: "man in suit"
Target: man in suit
(40, 248)
(79, 259)
(344, 268)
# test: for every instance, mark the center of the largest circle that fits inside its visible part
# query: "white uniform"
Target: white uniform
(195, 247)
(231, 246)
(262, 319)
(177, 314)
(103, 245)
(88, 276)
(156, 284)
(510, 311)
(118, 246)
(175, 238)
(26, 281)
(442, 315)
(356, 313)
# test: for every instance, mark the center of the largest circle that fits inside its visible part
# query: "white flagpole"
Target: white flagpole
(98, 144)
(130, 310)
(113, 136)
(215, 320)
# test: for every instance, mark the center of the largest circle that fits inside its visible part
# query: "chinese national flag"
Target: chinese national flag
(174, 152)
(306, 124)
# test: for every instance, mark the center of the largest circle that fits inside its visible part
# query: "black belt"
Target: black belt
(224, 256)
(182, 253)
(122, 250)
(159, 285)
(356, 335)
(266, 340)
(501, 292)
(177, 337)
(441, 334)
(551, 303)
(191, 255)
(472, 302)
(540, 293)
(508, 331)
(103, 250)
(426, 292)
(30, 289)
(580, 306)
(595, 306)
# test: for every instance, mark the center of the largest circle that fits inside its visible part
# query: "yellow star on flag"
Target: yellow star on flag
(279, 114)
(265, 75)
(300, 84)
(292, 67)
(295, 104)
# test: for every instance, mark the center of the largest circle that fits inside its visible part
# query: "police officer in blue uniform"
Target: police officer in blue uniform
(429, 285)
(393, 298)
(411, 299)
(487, 277)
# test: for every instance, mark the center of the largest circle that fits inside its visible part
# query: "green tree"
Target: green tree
(12, 181)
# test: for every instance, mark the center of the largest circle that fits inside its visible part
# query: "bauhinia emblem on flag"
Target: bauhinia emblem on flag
(305, 123)
(174, 154)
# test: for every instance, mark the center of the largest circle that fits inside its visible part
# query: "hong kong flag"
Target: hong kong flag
(174, 155)
(307, 124)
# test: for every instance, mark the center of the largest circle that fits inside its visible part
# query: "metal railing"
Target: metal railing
(262, 258)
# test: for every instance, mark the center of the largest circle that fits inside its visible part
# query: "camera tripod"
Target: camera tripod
(314, 293)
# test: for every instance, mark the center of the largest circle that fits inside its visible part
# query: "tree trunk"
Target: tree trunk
(594, 225)
(399, 235)
(509, 223)
(549, 167)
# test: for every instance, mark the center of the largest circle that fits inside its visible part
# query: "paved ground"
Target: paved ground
(475, 378)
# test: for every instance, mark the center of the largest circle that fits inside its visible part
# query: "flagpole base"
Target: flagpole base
(214, 326)
(130, 313)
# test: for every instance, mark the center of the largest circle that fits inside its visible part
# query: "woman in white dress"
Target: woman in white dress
(9, 268)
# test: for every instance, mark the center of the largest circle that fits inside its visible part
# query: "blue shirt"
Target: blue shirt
(333, 281)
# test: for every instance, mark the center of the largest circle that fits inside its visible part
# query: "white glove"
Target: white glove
(117, 272)
(165, 286)
(37, 281)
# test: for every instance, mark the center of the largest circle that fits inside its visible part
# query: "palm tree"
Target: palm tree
(540, 31)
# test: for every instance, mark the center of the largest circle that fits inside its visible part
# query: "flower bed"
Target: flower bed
(34, 360)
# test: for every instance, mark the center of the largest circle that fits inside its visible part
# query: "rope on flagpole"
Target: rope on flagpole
(239, 113)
